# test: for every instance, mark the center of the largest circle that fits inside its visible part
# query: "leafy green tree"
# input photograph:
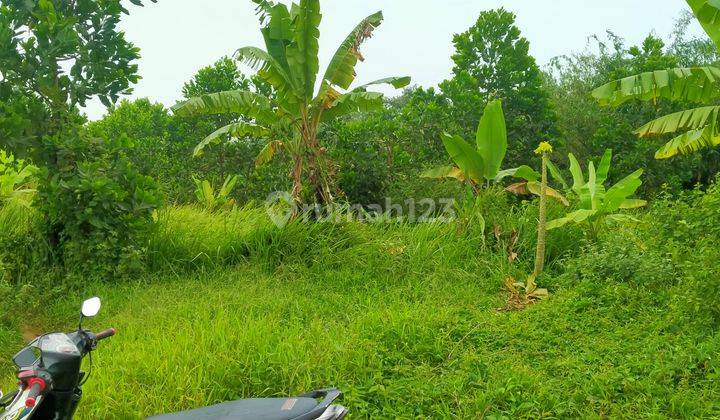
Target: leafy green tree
(160, 143)
(290, 65)
(492, 61)
(145, 127)
(367, 153)
(56, 55)
(425, 115)
(63, 53)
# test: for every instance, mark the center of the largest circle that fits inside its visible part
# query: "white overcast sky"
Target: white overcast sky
(178, 37)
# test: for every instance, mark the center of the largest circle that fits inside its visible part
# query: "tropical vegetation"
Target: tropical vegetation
(290, 65)
(548, 268)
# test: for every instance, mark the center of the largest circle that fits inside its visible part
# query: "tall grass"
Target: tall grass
(404, 317)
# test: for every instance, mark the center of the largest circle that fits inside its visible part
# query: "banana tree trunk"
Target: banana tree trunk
(296, 175)
(318, 169)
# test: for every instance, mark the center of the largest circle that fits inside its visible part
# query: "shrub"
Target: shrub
(98, 208)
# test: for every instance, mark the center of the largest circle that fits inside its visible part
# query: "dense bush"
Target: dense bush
(98, 207)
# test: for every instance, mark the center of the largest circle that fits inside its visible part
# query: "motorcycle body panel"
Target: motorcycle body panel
(61, 359)
(304, 407)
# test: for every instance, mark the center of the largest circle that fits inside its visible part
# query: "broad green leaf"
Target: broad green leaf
(237, 130)
(577, 216)
(689, 119)
(633, 203)
(689, 142)
(618, 193)
(525, 172)
(604, 167)
(268, 153)
(302, 53)
(228, 186)
(245, 103)
(695, 84)
(491, 139)
(465, 157)
(556, 174)
(351, 103)
(576, 171)
(278, 34)
(592, 184)
(396, 82)
(707, 13)
(535, 188)
(444, 172)
(268, 68)
(341, 70)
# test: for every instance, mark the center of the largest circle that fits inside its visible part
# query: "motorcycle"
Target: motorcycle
(50, 383)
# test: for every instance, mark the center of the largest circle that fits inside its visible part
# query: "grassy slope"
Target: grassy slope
(402, 318)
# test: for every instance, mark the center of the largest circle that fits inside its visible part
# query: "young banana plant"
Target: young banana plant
(481, 165)
(596, 203)
(205, 193)
(16, 176)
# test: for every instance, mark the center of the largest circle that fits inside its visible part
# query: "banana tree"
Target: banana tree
(698, 128)
(303, 101)
(596, 203)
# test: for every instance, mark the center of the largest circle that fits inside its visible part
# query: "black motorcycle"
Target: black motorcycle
(50, 385)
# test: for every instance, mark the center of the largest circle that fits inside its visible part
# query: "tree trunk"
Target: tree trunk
(317, 172)
(296, 175)
(540, 251)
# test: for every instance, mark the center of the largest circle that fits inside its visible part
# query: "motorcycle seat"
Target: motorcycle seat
(254, 408)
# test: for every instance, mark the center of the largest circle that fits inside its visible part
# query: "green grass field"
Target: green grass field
(403, 318)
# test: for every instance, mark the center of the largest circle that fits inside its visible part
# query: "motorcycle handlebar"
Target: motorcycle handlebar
(105, 334)
(37, 386)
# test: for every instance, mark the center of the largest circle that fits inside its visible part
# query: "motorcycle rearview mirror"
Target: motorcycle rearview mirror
(89, 309)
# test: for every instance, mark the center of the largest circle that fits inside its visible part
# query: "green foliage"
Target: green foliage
(16, 178)
(99, 208)
(66, 52)
(290, 65)
(480, 164)
(693, 85)
(492, 61)
(368, 154)
(210, 200)
(708, 13)
(162, 143)
(588, 129)
(596, 203)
